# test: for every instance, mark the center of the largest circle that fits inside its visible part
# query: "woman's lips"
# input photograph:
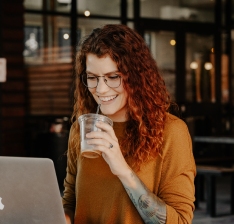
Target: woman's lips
(108, 102)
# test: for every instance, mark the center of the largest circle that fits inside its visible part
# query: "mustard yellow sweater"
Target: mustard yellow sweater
(98, 196)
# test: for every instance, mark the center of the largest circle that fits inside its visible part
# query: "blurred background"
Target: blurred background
(191, 40)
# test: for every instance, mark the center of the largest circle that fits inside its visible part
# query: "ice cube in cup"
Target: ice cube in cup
(87, 124)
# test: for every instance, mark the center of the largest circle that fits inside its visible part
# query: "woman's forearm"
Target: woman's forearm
(150, 207)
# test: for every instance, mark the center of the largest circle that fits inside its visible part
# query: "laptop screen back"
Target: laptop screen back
(29, 192)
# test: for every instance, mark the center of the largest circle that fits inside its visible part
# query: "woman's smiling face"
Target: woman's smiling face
(113, 100)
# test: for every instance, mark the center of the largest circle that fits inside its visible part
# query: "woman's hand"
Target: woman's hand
(112, 155)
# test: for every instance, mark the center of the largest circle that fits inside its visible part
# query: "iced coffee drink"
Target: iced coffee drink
(87, 124)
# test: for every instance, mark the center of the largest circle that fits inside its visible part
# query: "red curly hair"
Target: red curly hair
(148, 100)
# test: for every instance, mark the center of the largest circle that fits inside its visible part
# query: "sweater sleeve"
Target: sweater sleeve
(69, 198)
(178, 173)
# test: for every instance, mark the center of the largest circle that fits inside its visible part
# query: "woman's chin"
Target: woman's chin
(108, 112)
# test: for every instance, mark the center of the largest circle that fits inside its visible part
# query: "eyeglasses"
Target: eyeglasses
(113, 80)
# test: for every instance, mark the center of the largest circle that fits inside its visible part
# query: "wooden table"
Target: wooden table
(220, 140)
(210, 173)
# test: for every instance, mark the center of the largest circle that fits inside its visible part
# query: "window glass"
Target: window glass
(47, 39)
(190, 10)
(48, 66)
(100, 7)
(200, 68)
(162, 46)
(53, 5)
(86, 25)
(130, 10)
(131, 25)
(33, 4)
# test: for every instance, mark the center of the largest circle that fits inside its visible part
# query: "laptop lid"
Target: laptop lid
(29, 192)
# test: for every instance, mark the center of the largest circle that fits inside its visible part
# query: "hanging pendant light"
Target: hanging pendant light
(86, 12)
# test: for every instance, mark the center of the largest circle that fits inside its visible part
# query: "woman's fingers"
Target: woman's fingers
(100, 135)
(106, 152)
(107, 128)
(101, 142)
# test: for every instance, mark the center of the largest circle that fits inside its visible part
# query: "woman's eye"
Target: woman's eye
(91, 77)
(113, 77)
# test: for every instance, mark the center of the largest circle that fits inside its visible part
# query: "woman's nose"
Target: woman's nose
(102, 87)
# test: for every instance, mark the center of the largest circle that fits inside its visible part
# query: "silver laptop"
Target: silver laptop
(29, 192)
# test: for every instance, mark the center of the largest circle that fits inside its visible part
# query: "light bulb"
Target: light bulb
(194, 65)
(208, 66)
(173, 42)
(66, 36)
(87, 13)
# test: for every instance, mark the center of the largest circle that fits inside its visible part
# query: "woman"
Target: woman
(146, 172)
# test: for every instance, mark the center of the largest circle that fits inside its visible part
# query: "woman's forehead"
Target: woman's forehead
(100, 65)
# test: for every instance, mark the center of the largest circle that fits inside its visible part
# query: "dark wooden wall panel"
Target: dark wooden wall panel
(16, 98)
(13, 34)
(16, 136)
(13, 7)
(13, 47)
(48, 89)
(9, 124)
(12, 111)
(15, 73)
(13, 22)
(50, 68)
(14, 60)
(43, 76)
(13, 91)
(13, 85)
(13, 149)
(53, 94)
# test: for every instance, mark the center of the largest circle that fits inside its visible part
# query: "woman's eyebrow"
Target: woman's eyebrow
(88, 72)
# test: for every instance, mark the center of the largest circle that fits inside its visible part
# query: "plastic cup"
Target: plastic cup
(87, 124)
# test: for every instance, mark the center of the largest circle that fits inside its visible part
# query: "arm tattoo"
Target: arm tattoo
(150, 207)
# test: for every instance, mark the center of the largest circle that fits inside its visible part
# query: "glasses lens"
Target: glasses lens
(89, 80)
(113, 80)
(84, 79)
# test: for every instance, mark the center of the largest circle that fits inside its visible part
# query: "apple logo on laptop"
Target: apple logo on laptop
(1, 205)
